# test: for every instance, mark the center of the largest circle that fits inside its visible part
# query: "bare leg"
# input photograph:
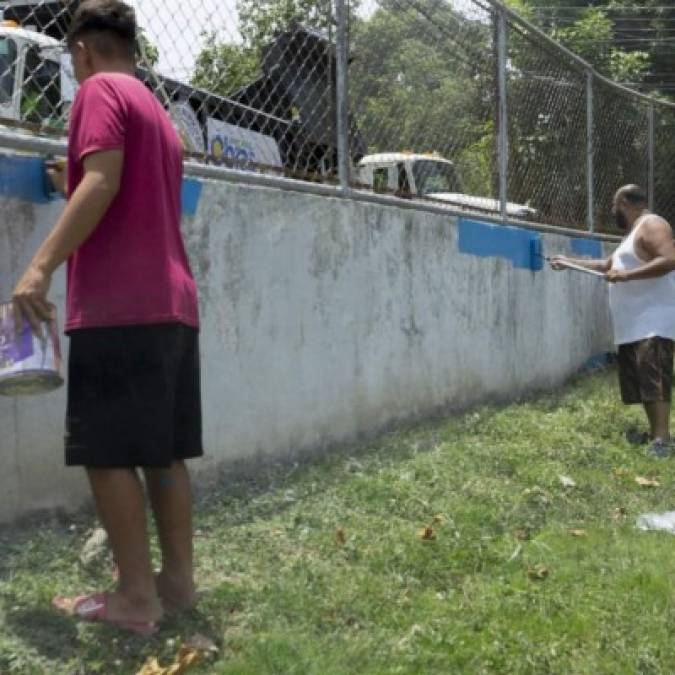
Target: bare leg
(119, 502)
(658, 413)
(171, 498)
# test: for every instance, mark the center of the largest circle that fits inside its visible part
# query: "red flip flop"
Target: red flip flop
(94, 608)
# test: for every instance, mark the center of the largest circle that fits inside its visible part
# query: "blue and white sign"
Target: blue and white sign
(231, 144)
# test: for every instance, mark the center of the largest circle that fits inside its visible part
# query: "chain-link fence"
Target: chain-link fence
(663, 183)
(423, 94)
(620, 145)
(460, 102)
(547, 130)
(250, 93)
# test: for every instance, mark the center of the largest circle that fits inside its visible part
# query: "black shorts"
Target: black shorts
(646, 370)
(133, 396)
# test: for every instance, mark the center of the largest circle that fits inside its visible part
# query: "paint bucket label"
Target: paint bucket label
(29, 364)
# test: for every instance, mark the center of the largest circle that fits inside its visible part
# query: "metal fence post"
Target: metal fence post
(503, 112)
(590, 182)
(651, 180)
(342, 95)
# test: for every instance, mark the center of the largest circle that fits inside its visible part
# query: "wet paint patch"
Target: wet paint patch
(24, 178)
(190, 193)
(591, 248)
(523, 248)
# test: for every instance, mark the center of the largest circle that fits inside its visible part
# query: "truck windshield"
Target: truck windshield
(432, 176)
(41, 91)
(7, 68)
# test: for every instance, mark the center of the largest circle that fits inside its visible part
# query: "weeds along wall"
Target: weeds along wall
(324, 319)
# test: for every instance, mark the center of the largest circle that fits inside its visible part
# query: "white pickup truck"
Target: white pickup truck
(429, 176)
(36, 79)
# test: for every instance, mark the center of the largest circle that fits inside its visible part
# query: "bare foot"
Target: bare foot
(113, 607)
(120, 607)
(176, 596)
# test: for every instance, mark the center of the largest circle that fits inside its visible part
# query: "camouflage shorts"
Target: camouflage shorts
(646, 370)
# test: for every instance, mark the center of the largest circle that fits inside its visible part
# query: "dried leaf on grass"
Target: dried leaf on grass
(619, 514)
(194, 650)
(576, 532)
(538, 572)
(186, 658)
(151, 667)
(426, 533)
(340, 537)
(647, 482)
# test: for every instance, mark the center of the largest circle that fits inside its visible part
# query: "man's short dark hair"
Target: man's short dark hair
(633, 194)
(110, 23)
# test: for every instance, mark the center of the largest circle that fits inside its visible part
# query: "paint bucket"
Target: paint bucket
(29, 364)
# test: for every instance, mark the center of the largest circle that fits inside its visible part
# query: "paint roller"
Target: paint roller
(535, 252)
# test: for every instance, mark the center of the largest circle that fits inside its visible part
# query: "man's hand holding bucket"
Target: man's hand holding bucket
(30, 299)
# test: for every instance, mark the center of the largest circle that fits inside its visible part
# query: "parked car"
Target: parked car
(429, 176)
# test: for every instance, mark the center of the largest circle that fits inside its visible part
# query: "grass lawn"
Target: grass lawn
(323, 569)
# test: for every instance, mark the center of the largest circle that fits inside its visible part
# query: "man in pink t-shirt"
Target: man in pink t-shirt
(132, 318)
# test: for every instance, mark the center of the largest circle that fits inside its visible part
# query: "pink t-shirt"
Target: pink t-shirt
(133, 269)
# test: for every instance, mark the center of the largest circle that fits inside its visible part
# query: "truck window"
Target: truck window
(403, 182)
(7, 68)
(434, 177)
(381, 179)
(41, 91)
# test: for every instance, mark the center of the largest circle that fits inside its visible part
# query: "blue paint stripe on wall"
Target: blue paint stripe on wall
(523, 248)
(23, 178)
(190, 194)
(587, 247)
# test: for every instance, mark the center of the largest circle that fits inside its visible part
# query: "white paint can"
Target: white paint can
(29, 364)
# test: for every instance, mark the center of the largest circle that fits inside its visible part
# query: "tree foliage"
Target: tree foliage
(423, 77)
(626, 40)
(223, 67)
(415, 88)
(592, 37)
(146, 49)
(261, 20)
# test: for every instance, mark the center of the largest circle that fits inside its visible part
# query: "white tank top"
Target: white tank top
(644, 308)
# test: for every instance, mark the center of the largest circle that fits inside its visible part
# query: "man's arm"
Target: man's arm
(560, 262)
(85, 209)
(656, 245)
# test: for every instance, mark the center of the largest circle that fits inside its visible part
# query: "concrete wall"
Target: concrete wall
(323, 319)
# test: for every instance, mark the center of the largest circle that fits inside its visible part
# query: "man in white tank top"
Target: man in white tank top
(642, 302)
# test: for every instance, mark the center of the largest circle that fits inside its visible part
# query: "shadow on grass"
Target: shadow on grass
(64, 639)
(240, 484)
(53, 636)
